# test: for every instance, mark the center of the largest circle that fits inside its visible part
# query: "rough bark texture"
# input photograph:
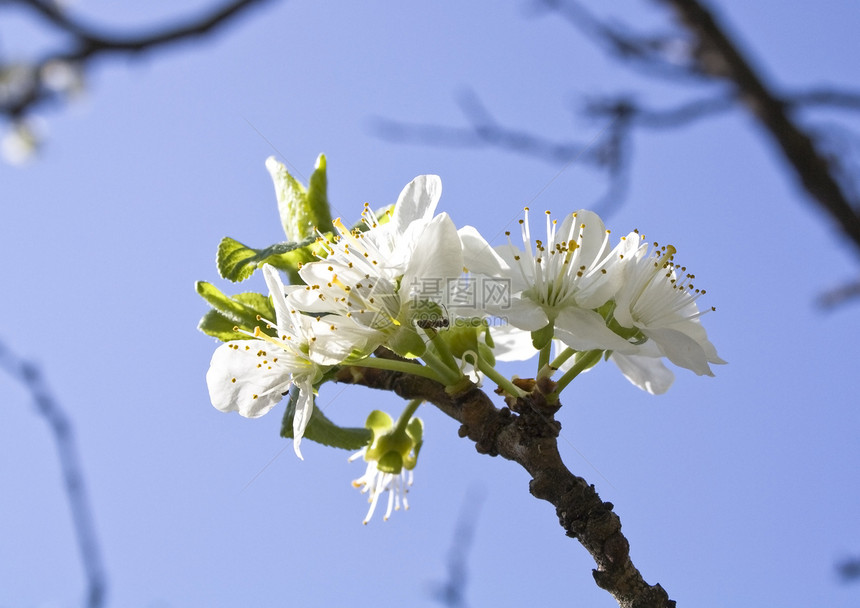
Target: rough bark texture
(526, 432)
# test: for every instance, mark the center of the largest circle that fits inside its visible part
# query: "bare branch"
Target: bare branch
(611, 152)
(483, 133)
(30, 376)
(526, 432)
(664, 55)
(849, 570)
(453, 592)
(839, 296)
(89, 42)
(829, 98)
(82, 43)
(825, 176)
(670, 118)
(720, 57)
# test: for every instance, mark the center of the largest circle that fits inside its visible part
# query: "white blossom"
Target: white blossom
(374, 277)
(658, 298)
(375, 483)
(252, 376)
(559, 282)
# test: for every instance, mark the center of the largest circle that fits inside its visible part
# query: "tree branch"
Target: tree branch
(718, 56)
(707, 52)
(665, 55)
(668, 118)
(61, 427)
(526, 433)
(90, 42)
(452, 592)
(484, 130)
(824, 97)
(839, 295)
(849, 570)
(85, 43)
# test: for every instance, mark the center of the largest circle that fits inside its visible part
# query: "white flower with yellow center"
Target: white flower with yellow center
(374, 277)
(559, 283)
(252, 376)
(658, 299)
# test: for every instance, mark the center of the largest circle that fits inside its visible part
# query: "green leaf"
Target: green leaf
(236, 261)
(322, 430)
(218, 326)
(240, 310)
(301, 209)
(318, 205)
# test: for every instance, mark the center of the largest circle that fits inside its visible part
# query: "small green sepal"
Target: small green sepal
(394, 446)
(406, 342)
(542, 337)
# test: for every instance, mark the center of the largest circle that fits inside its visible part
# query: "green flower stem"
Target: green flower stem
(406, 416)
(400, 366)
(543, 356)
(502, 382)
(563, 356)
(442, 349)
(447, 375)
(587, 359)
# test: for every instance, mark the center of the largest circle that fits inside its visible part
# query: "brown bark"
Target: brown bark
(526, 432)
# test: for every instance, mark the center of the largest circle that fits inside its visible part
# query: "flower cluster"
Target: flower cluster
(406, 290)
(630, 300)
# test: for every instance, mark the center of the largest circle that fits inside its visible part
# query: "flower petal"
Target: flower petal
(583, 329)
(417, 201)
(478, 255)
(522, 313)
(304, 410)
(586, 229)
(647, 373)
(512, 343)
(238, 382)
(276, 289)
(438, 253)
(680, 349)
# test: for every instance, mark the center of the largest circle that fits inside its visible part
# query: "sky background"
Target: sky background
(738, 490)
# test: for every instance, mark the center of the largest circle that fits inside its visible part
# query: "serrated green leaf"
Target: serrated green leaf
(322, 430)
(236, 261)
(240, 310)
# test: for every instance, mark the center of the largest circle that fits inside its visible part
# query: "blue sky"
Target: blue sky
(735, 490)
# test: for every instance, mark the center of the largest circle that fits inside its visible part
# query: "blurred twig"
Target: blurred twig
(452, 592)
(29, 375)
(78, 43)
(838, 296)
(718, 56)
(696, 50)
(849, 570)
